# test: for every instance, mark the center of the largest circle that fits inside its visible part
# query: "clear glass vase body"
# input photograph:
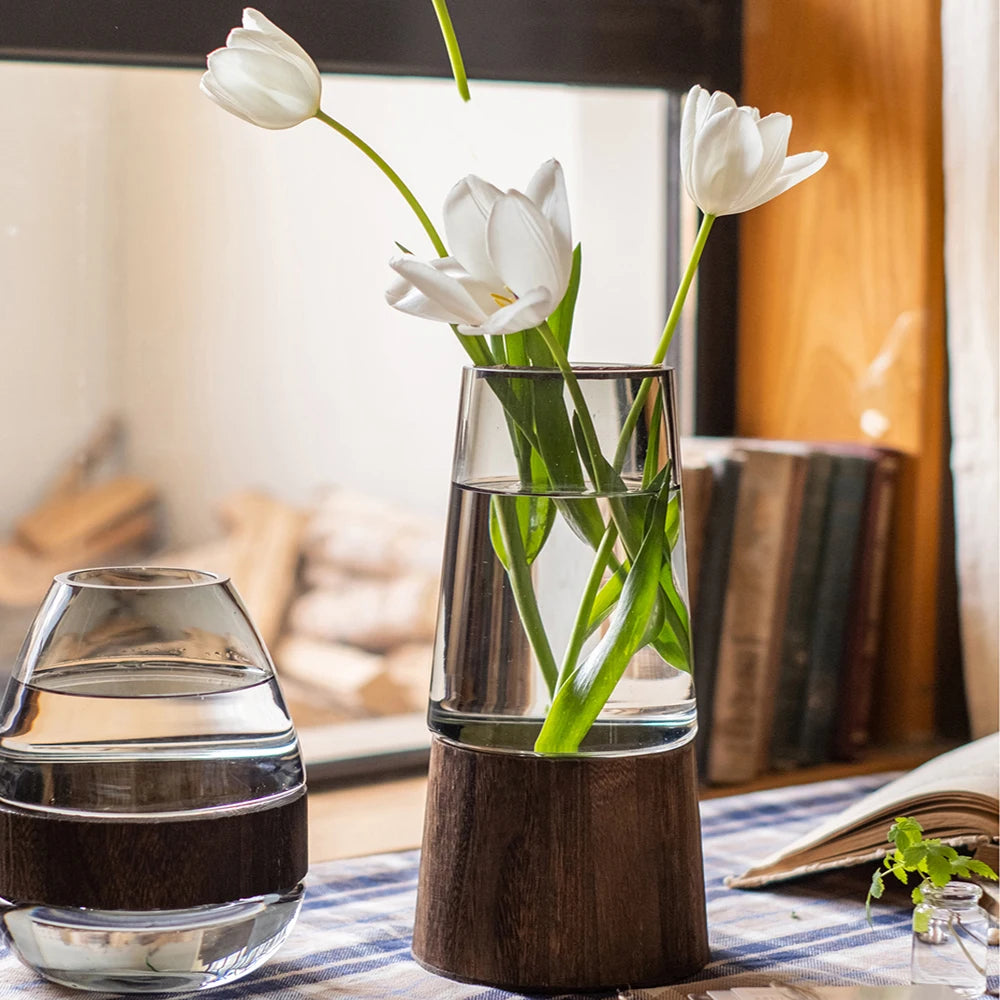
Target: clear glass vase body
(489, 689)
(143, 721)
(950, 938)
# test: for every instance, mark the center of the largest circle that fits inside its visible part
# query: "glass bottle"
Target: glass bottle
(950, 938)
(152, 798)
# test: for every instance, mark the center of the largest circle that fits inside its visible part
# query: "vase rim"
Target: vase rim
(139, 578)
(583, 369)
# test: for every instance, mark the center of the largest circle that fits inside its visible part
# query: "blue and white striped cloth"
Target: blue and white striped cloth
(352, 941)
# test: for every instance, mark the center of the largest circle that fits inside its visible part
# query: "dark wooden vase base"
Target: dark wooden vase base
(121, 864)
(553, 875)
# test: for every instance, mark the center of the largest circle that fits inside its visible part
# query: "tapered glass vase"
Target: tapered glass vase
(562, 844)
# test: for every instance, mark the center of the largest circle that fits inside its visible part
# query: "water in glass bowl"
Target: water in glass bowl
(167, 759)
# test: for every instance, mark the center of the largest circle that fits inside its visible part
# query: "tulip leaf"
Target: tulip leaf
(584, 693)
(561, 321)
(508, 535)
(651, 463)
(535, 517)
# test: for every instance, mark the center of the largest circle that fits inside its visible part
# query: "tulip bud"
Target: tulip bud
(733, 160)
(263, 75)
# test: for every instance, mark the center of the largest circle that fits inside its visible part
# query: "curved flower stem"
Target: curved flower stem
(581, 626)
(580, 404)
(475, 347)
(682, 289)
(454, 52)
(524, 592)
(673, 318)
(396, 180)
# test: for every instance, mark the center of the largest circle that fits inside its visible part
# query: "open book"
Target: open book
(953, 797)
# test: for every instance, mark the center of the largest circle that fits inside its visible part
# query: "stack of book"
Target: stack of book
(788, 548)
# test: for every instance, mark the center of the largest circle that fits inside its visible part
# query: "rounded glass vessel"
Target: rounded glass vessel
(950, 938)
(152, 794)
(554, 489)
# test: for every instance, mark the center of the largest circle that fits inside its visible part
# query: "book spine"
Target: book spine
(836, 590)
(709, 599)
(696, 499)
(763, 538)
(864, 630)
(794, 657)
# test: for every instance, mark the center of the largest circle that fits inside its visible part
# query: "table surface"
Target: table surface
(353, 935)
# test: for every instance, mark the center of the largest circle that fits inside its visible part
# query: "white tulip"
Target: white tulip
(511, 263)
(732, 160)
(263, 75)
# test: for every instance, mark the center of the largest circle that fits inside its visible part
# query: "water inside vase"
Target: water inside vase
(488, 690)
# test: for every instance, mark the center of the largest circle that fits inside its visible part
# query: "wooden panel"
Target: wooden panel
(841, 316)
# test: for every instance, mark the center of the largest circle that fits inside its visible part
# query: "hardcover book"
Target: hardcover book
(954, 797)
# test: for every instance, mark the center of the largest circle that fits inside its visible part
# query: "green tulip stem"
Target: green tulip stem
(581, 627)
(454, 52)
(397, 181)
(475, 347)
(673, 318)
(597, 463)
(682, 290)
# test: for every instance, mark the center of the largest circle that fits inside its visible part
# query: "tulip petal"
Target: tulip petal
(727, 154)
(260, 87)
(282, 48)
(466, 210)
(522, 314)
(438, 291)
(774, 132)
(796, 169)
(254, 22)
(547, 189)
(523, 250)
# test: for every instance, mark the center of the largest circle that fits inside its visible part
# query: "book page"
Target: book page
(967, 776)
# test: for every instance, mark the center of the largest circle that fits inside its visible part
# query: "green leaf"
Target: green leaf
(913, 855)
(652, 460)
(874, 892)
(917, 894)
(535, 517)
(561, 321)
(939, 864)
(921, 921)
(402, 249)
(980, 868)
(584, 693)
(905, 831)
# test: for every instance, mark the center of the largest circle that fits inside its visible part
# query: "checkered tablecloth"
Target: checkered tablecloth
(352, 941)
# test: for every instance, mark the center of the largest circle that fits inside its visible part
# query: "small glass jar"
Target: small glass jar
(950, 938)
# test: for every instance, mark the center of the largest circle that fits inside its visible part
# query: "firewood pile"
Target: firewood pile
(344, 594)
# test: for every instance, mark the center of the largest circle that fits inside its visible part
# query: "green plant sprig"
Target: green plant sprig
(929, 858)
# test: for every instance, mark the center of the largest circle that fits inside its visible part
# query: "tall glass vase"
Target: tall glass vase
(562, 703)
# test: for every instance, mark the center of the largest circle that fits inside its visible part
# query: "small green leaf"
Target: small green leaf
(917, 894)
(402, 249)
(905, 831)
(921, 921)
(980, 868)
(938, 865)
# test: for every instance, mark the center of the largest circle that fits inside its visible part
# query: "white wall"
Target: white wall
(58, 262)
(252, 344)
